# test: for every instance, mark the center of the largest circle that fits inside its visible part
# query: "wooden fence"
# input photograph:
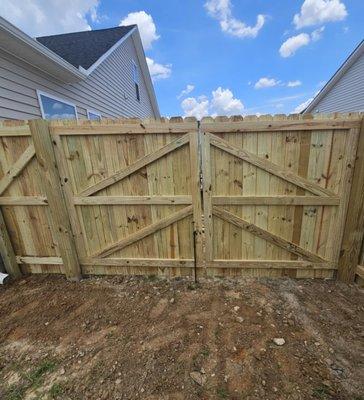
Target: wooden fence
(124, 197)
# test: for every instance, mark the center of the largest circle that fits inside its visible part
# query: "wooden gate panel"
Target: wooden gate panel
(274, 191)
(133, 192)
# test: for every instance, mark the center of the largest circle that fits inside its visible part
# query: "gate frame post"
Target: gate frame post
(196, 200)
(51, 182)
(354, 224)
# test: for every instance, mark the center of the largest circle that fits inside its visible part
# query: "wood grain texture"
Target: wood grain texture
(16, 168)
(137, 165)
(52, 186)
(142, 233)
(7, 251)
(353, 231)
(276, 240)
(270, 167)
(279, 187)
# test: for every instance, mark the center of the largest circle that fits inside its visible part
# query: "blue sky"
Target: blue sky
(229, 51)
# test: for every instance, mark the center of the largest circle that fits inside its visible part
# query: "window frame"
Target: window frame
(94, 113)
(136, 73)
(51, 96)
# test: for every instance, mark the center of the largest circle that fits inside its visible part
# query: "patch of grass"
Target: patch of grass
(15, 392)
(32, 379)
(222, 393)
(193, 286)
(35, 376)
(56, 390)
(321, 392)
(205, 352)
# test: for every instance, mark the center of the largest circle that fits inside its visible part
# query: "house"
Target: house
(344, 92)
(92, 74)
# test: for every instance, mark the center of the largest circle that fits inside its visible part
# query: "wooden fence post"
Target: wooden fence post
(51, 181)
(7, 252)
(354, 226)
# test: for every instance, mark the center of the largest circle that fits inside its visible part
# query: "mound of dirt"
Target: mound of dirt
(136, 338)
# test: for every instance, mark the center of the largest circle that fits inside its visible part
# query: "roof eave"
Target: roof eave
(145, 69)
(90, 69)
(24, 47)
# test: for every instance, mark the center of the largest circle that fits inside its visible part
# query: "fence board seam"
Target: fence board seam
(270, 167)
(146, 231)
(16, 168)
(137, 165)
(274, 239)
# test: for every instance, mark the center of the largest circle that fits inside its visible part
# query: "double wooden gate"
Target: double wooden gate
(230, 196)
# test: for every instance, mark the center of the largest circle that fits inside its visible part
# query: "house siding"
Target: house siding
(109, 89)
(347, 95)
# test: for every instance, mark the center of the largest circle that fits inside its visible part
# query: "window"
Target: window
(54, 108)
(93, 116)
(136, 80)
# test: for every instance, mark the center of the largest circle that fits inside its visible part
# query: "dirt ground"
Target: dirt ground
(139, 338)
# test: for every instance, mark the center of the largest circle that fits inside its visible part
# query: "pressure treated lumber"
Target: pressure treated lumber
(149, 158)
(354, 226)
(269, 167)
(262, 233)
(124, 127)
(270, 264)
(7, 252)
(196, 199)
(16, 168)
(207, 195)
(39, 260)
(139, 262)
(23, 201)
(52, 187)
(146, 231)
(14, 130)
(136, 200)
(276, 200)
(278, 214)
(274, 126)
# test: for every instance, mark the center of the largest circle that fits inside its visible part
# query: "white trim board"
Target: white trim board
(105, 55)
(51, 96)
(92, 112)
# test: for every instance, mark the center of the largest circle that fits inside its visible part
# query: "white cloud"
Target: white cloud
(193, 107)
(302, 106)
(266, 83)
(158, 71)
(222, 102)
(292, 44)
(146, 25)
(44, 17)
(221, 10)
(188, 90)
(294, 83)
(317, 34)
(314, 12)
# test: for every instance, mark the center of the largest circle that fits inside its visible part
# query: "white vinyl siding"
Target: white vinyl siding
(109, 89)
(347, 95)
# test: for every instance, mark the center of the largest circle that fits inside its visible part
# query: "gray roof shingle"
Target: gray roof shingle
(84, 48)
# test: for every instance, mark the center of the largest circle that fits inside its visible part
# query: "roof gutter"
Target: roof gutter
(19, 44)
